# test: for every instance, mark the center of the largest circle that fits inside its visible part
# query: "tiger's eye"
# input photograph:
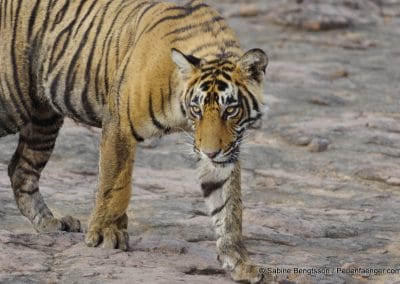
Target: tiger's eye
(196, 109)
(230, 110)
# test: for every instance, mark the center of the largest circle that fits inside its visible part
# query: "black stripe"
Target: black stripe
(12, 11)
(228, 68)
(170, 91)
(213, 62)
(138, 38)
(5, 127)
(209, 187)
(252, 97)
(132, 11)
(89, 10)
(31, 192)
(251, 119)
(155, 121)
(53, 4)
(47, 130)
(29, 172)
(244, 101)
(163, 102)
(207, 77)
(121, 78)
(46, 122)
(32, 19)
(133, 131)
(5, 12)
(43, 148)
(181, 30)
(219, 209)
(9, 118)
(70, 80)
(22, 114)
(222, 85)
(205, 29)
(32, 164)
(14, 59)
(60, 14)
(226, 76)
(230, 149)
(203, 46)
(108, 41)
(208, 68)
(117, 48)
(106, 50)
(144, 12)
(53, 92)
(44, 26)
(231, 160)
(35, 141)
(106, 76)
(191, 28)
(67, 98)
(189, 95)
(107, 193)
(187, 12)
(68, 30)
(87, 106)
(226, 43)
(183, 110)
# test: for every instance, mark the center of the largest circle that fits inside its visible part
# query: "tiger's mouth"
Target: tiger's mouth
(221, 158)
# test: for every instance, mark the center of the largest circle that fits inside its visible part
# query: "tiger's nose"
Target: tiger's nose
(211, 155)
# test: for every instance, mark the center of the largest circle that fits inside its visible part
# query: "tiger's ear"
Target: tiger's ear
(253, 64)
(187, 64)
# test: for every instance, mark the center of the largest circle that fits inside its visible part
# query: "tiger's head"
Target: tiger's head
(221, 98)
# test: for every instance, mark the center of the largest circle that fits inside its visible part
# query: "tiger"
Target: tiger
(137, 69)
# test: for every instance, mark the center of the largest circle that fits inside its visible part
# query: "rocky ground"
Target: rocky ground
(321, 179)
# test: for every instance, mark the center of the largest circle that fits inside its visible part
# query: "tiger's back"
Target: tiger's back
(65, 55)
(60, 55)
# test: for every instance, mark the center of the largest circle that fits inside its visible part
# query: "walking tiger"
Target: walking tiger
(138, 69)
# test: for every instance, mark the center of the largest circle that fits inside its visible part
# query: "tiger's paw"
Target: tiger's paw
(108, 237)
(250, 273)
(49, 224)
(70, 224)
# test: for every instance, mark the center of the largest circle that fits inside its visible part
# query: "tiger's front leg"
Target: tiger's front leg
(108, 222)
(222, 193)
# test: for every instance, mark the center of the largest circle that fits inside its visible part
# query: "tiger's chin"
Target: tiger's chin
(225, 162)
(221, 162)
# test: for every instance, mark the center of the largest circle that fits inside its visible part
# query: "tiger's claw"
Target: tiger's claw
(109, 237)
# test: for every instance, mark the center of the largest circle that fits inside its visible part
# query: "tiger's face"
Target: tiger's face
(221, 98)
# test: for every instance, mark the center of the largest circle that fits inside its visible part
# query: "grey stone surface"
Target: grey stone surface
(335, 208)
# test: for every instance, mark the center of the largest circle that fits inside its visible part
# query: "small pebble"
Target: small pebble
(318, 145)
(248, 10)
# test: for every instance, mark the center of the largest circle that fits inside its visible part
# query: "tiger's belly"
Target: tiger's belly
(71, 96)
(10, 118)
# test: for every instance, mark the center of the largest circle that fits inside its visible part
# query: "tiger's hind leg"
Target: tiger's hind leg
(36, 143)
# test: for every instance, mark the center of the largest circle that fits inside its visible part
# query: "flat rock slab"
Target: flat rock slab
(320, 173)
(314, 15)
(54, 258)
